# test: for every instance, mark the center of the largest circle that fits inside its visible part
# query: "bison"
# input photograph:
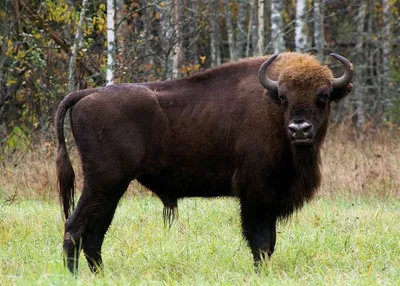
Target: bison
(250, 129)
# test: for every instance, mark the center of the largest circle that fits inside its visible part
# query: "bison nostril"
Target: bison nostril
(300, 129)
(307, 127)
(292, 128)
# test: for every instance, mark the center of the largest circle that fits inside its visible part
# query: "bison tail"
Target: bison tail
(65, 172)
(66, 180)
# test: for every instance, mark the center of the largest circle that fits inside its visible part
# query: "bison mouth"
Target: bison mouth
(303, 142)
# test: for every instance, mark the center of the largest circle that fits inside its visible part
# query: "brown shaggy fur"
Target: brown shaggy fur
(218, 133)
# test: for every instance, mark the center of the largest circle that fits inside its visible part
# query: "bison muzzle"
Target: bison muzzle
(250, 129)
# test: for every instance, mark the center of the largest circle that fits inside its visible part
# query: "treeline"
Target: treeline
(49, 47)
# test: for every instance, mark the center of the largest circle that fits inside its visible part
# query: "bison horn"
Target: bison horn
(346, 78)
(265, 81)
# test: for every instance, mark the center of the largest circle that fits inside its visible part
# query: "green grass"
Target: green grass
(339, 242)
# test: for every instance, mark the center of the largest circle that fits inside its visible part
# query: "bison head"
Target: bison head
(305, 89)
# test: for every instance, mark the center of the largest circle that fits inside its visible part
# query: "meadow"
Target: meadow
(348, 235)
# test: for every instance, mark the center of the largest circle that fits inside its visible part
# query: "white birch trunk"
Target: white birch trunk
(74, 54)
(214, 35)
(278, 43)
(260, 42)
(193, 49)
(359, 80)
(229, 30)
(177, 50)
(318, 29)
(110, 42)
(300, 26)
(252, 31)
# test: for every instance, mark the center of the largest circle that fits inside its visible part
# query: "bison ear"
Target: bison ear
(340, 93)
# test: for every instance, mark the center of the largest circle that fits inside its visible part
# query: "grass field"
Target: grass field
(331, 241)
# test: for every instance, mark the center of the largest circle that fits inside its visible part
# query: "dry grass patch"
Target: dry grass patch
(353, 165)
(365, 165)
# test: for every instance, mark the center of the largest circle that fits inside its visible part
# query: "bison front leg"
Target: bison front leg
(259, 228)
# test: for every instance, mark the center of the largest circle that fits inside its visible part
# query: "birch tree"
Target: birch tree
(177, 50)
(214, 33)
(193, 46)
(360, 62)
(252, 31)
(261, 30)
(110, 42)
(74, 54)
(301, 26)
(229, 30)
(278, 43)
(318, 16)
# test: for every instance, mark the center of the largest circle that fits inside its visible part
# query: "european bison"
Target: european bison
(217, 133)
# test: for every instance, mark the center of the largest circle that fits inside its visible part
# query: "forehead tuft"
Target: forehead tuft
(303, 70)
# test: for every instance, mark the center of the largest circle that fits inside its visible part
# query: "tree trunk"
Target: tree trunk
(74, 54)
(177, 51)
(359, 80)
(214, 33)
(240, 32)
(278, 43)
(192, 46)
(252, 31)
(261, 30)
(120, 28)
(4, 96)
(229, 30)
(301, 26)
(165, 32)
(318, 29)
(110, 42)
(387, 91)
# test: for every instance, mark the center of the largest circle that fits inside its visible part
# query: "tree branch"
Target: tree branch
(40, 23)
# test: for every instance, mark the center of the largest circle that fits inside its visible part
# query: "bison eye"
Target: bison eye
(283, 99)
(323, 99)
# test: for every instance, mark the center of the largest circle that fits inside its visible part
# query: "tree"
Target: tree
(77, 44)
(318, 16)
(301, 26)
(261, 31)
(387, 84)
(110, 42)
(240, 29)
(214, 33)
(278, 43)
(229, 30)
(252, 31)
(360, 61)
(177, 53)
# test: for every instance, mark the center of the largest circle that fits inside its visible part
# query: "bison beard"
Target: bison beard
(305, 156)
(223, 132)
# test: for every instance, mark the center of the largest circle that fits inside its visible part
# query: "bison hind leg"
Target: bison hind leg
(170, 211)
